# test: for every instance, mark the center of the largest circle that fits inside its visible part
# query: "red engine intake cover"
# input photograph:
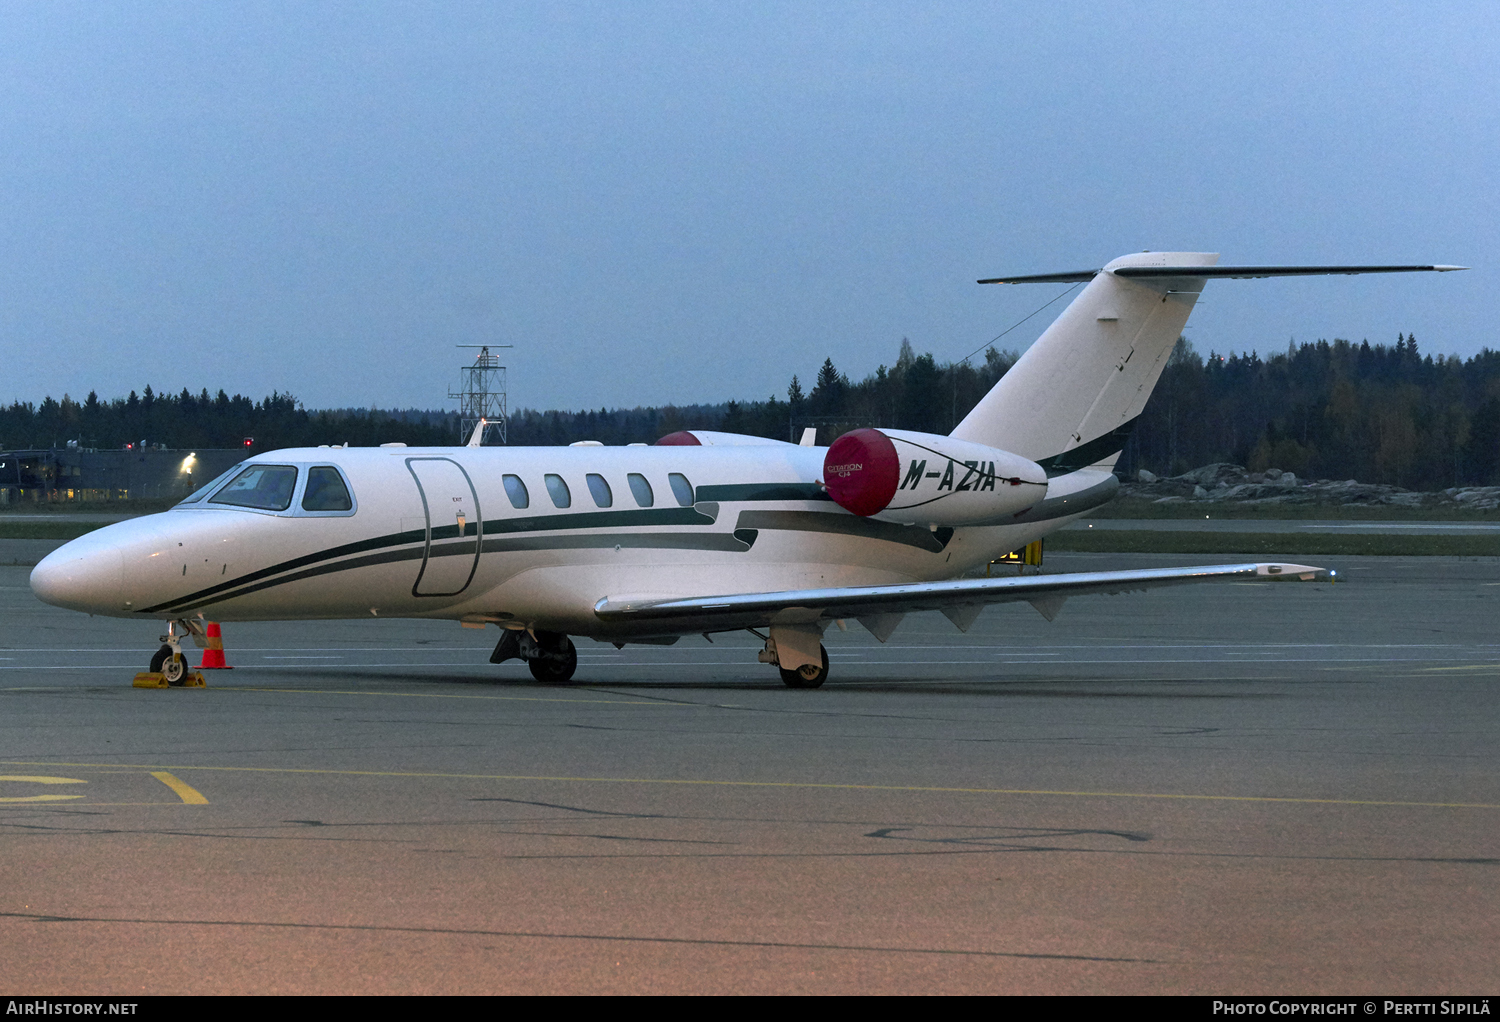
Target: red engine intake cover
(681, 438)
(861, 471)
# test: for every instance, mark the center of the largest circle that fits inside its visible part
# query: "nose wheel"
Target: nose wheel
(169, 668)
(171, 665)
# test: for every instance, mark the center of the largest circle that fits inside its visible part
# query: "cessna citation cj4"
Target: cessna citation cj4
(703, 532)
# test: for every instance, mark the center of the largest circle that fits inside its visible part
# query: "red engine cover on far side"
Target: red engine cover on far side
(861, 471)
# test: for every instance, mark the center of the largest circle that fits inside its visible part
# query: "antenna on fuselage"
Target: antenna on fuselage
(481, 401)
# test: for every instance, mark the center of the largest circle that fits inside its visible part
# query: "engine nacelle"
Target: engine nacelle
(919, 478)
(715, 438)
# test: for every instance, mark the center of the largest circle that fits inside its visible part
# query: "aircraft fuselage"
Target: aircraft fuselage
(438, 533)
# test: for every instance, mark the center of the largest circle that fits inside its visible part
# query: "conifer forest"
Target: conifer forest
(1377, 413)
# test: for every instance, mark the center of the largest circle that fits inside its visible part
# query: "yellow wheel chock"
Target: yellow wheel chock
(155, 679)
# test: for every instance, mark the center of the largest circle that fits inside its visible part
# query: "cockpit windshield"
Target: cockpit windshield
(208, 487)
(266, 487)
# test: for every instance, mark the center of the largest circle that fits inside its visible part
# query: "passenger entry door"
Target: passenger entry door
(454, 527)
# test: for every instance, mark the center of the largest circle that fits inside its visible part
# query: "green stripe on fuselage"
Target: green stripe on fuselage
(641, 517)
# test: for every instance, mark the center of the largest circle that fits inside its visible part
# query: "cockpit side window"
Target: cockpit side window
(265, 487)
(326, 490)
(681, 488)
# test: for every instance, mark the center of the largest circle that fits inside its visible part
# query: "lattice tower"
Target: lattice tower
(482, 396)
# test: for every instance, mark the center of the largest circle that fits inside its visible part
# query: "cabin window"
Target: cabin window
(326, 490)
(640, 489)
(266, 487)
(559, 490)
(600, 490)
(681, 488)
(515, 489)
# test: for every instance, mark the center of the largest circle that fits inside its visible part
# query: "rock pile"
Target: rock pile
(1224, 482)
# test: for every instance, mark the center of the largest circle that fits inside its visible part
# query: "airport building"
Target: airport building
(79, 473)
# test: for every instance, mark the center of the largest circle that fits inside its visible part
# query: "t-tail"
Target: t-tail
(1072, 399)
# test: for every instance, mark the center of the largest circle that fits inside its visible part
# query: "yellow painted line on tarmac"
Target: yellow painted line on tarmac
(189, 794)
(447, 695)
(810, 785)
(36, 779)
(91, 805)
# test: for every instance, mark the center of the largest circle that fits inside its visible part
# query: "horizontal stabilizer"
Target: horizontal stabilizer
(1045, 592)
(1251, 272)
(1231, 272)
(1073, 277)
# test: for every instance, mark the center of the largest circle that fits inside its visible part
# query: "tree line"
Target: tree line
(913, 393)
(186, 421)
(1336, 409)
(1331, 410)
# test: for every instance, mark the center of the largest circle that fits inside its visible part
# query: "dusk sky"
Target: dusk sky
(674, 203)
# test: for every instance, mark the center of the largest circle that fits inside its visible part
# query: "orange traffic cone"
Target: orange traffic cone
(213, 653)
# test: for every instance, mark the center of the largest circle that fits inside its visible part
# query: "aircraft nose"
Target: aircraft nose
(81, 576)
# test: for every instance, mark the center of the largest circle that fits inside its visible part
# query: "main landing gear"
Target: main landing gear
(791, 650)
(551, 656)
(795, 650)
(808, 675)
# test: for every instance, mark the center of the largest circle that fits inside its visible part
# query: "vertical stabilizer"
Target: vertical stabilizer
(1072, 398)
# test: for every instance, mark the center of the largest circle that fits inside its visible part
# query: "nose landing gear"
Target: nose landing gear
(169, 667)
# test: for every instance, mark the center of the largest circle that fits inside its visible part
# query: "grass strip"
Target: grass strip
(1137, 507)
(1270, 544)
(47, 530)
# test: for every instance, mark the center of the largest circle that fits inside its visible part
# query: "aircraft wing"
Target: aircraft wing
(960, 599)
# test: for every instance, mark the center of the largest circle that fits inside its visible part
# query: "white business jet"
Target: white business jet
(703, 532)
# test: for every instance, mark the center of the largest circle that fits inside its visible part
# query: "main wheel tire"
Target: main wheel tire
(808, 675)
(555, 672)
